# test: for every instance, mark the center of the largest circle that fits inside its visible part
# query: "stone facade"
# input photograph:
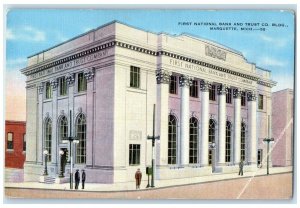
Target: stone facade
(127, 71)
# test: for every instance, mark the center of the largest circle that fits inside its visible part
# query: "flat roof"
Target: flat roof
(117, 21)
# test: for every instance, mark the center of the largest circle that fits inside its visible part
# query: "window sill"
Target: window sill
(47, 100)
(62, 97)
(80, 93)
(10, 150)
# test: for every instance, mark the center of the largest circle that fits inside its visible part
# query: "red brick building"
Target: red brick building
(15, 144)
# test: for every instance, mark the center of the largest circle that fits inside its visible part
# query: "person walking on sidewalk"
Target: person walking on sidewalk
(77, 179)
(138, 178)
(83, 179)
(241, 166)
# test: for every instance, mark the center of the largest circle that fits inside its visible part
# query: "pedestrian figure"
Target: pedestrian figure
(241, 166)
(77, 179)
(138, 178)
(83, 179)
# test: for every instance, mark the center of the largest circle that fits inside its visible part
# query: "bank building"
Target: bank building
(212, 107)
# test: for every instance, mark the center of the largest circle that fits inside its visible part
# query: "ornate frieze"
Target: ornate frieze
(251, 95)
(90, 53)
(54, 84)
(41, 87)
(70, 78)
(215, 52)
(185, 81)
(89, 74)
(222, 89)
(237, 93)
(205, 85)
(162, 76)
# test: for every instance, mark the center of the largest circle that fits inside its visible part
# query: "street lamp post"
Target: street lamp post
(212, 146)
(71, 140)
(268, 140)
(61, 174)
(153, 138)
(45, 170)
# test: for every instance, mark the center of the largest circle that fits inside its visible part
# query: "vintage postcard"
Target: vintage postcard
(149, 104)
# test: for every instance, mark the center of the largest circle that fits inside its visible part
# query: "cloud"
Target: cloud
(268, 61)
(15, 95)
(87, 29)
(25, 33)
(15, 64)
(283, 82)
(277, 42)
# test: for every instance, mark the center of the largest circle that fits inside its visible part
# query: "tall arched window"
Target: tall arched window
(211, 138)
(48, 137)
(193, 140)
(228, 142)
(63, 128)
(172, 142)
(81, 136)
(243, 141)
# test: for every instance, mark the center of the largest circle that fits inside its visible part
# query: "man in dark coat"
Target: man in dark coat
(241, 166)
(138, 178)
(83, 179)
(77, 179)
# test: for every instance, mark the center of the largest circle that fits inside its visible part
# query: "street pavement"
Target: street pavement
(129, 186)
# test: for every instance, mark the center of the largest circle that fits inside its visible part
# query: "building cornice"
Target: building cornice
(31, 70)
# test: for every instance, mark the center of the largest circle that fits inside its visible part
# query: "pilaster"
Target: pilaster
(252, 140)
(89, 75)
(237, 125)
(185, 83)
(222, 91)
(162, 112)
(41, 90)
(55, 154)
(204, 86)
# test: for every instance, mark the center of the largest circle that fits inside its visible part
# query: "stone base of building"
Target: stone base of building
(106, 175)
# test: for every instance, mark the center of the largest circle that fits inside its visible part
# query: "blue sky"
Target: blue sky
(30, 31)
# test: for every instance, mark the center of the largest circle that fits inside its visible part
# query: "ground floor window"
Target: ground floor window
(134, 154)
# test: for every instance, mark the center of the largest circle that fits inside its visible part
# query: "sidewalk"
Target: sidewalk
(130, 186)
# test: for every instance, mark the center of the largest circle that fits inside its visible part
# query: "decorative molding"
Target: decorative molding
(209, 50)
(41, 87)
(70, 78)
(89, 74)
(135, 135)
(71, 57)
(31, 86)
(260, 82)
(185, 81)
(222, 89)
(251, 95)
(54, 84)
(162, 76)
(205, 85)
(79, 110)
(237, 93)
(215, 52)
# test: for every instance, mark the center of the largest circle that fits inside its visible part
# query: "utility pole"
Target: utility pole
(268, 140)
(153, 138)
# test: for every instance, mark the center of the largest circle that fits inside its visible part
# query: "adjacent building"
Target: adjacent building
(213, 107)
(15, 144)
(282, 119)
